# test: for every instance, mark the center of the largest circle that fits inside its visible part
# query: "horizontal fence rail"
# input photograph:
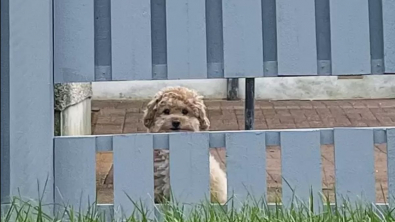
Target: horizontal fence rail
(107, 40)
(245, 165)
(218, 138)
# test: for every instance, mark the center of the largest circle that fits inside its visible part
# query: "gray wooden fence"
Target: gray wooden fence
(45, 42)
(157, 39)
(75, 165)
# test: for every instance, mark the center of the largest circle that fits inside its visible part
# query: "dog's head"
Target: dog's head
(176, 109)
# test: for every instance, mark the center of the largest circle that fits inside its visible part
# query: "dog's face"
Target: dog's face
(176, 110)
(174, 116)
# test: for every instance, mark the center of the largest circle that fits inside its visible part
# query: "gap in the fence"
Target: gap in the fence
(129, 113)
(104, 177)
(381, 175)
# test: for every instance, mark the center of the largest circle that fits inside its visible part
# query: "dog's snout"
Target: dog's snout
(175, 124)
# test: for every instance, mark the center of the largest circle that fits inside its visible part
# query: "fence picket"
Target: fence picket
(246, 166)
(74, 49)
(189, 167)
(75, 172)
(301, 168)
(296, 39)
(350, 37)
(389, 33)
(27, 104)
(131, 40)
(133, 174)
(391, 166)
(354, 165)
(243, 46)
(186, 39)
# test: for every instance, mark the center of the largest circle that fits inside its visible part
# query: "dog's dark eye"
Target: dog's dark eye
(166, 111)
(184, 111)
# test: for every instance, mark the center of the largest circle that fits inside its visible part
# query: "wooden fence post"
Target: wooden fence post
(27, 107)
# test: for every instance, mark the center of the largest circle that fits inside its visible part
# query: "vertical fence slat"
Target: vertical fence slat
(5, 91)
(323, 35)
(391, 166)
(269, 28)
(243, 46)
(301, 168)
(215, 40)
(186, 39)
(246, 166)
(75, 172)
(158, 38)
(131, 40)
(389, 33)
(350, 37)
(296, 39)
(27, 105)
(354, 165)
(133, 173)
(103, 40)
(376, 36)
(74, 52)
(189, 167)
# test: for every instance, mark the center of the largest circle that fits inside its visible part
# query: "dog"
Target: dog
(179, 109)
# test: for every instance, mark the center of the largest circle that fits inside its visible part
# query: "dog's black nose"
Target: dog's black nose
(176, 124)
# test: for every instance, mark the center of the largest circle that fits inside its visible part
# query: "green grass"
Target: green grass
(28, 211)
(20, 210)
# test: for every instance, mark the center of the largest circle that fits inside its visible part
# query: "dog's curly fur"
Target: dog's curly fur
(186, 107)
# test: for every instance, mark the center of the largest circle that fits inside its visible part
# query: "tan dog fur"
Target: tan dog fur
(185, 106)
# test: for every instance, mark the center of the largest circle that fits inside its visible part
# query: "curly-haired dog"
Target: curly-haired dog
(177, 109)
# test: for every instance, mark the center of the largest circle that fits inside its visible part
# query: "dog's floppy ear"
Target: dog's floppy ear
(203, 120)
(150, 110)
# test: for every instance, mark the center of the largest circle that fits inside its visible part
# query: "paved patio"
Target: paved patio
(124, 116)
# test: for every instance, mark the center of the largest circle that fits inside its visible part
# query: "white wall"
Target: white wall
(303, 88)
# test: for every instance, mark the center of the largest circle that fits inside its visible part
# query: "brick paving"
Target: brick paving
(124, 116)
